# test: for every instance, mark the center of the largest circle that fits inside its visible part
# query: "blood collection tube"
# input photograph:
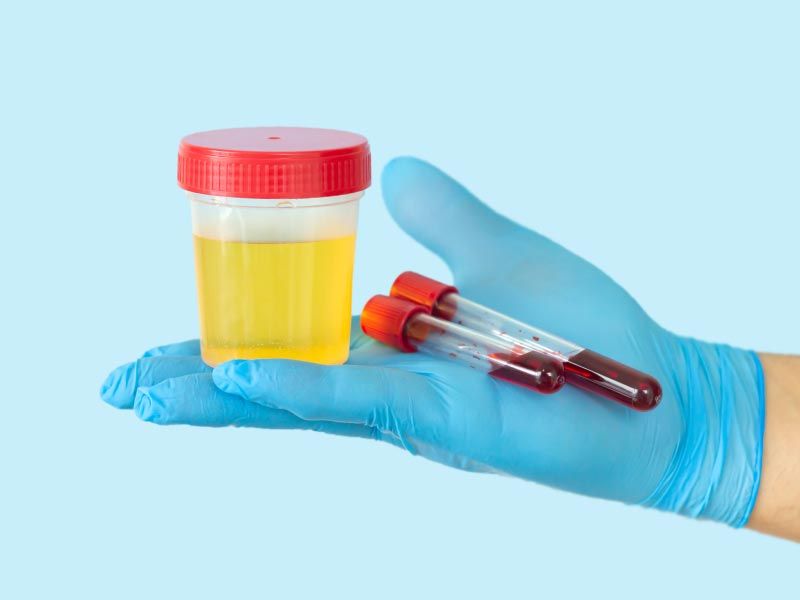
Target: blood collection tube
(583, 368)
(410, 327)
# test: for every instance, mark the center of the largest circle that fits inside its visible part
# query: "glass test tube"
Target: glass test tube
(409, 327)
(583, 368)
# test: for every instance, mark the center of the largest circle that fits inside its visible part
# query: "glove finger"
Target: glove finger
(446, 218)
(119, 388)
(174, 360)
(195, 400)
(392, 400)
(192, 347)
(186, 348)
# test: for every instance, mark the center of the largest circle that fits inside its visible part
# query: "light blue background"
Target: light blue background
(659, 140)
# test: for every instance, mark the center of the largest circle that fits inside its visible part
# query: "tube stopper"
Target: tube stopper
(384, 318)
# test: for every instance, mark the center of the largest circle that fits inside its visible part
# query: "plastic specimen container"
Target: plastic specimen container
(274, 216)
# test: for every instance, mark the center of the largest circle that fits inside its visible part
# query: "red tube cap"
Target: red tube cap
(384, 318)
(420, 289)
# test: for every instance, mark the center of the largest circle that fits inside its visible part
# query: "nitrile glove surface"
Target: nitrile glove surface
(698, 453)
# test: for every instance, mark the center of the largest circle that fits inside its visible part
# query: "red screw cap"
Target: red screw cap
(420, 289)
(274, 162)
(384, 318)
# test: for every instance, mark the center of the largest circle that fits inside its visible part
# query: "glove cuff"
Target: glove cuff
(716, 468)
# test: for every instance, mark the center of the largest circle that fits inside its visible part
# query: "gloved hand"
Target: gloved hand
(698, 453)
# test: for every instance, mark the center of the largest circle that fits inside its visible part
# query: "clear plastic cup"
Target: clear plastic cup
(274, 217)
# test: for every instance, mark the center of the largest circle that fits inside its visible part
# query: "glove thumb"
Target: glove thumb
(442, 214)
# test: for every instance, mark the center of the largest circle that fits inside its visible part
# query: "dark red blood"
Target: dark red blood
(532, 370)
(596, 373)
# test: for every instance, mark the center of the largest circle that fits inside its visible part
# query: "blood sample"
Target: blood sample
(583, 368)
(410, 327)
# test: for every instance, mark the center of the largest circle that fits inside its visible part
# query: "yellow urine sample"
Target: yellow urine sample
(275, 300)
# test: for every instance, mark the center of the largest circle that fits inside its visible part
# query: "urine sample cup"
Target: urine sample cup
(274, 216)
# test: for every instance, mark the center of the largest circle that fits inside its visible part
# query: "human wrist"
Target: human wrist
(777, 506)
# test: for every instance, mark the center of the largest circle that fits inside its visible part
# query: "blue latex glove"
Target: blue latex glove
(698, 453)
